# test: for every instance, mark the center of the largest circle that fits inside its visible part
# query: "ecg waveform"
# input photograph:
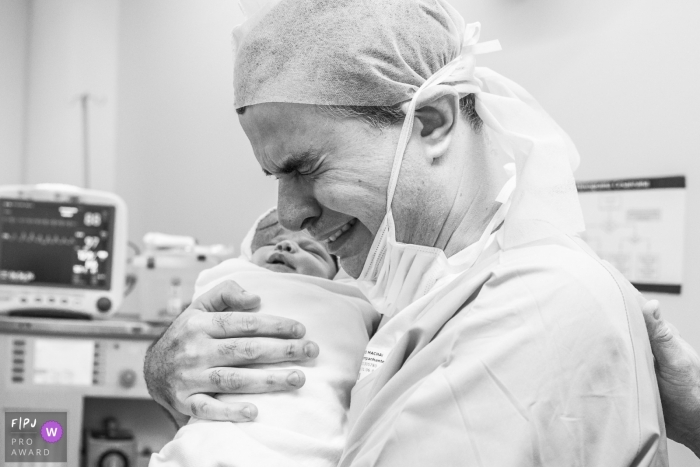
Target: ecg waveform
(65, 223)
(21, 277)
(39, 238)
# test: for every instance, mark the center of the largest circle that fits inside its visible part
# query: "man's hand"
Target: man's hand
(678, 372)
(203, 350)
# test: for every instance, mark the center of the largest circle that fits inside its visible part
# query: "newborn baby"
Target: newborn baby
(297, 253)
(304, 427)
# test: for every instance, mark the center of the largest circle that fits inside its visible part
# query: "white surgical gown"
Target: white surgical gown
(537, 356)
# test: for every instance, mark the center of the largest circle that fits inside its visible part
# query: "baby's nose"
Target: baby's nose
(287, 245)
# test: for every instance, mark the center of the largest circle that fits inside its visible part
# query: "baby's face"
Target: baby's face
(298, 253)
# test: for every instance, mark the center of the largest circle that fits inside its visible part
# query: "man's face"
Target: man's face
(296, 253)
(333, 174)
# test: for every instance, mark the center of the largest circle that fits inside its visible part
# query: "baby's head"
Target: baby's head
(296, 253)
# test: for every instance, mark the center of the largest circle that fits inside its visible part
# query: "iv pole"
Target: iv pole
(84, 100)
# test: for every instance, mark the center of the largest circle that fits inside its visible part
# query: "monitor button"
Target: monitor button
(104, 304)
(127, 379)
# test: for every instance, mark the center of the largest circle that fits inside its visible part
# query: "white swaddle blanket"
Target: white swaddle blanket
(300, 428)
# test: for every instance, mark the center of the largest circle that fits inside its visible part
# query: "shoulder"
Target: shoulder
(560, 270)
(555, 290)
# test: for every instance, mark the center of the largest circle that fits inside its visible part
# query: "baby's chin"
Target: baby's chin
(279, 267)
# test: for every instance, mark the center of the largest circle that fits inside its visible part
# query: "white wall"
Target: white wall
(14, 21)
(73, 46)
(184, 164)
(622, 78)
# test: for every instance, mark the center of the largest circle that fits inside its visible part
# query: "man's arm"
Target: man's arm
(206, 349)
(677, 367)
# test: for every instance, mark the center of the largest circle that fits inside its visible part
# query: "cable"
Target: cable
(134, 247)
(131, 279)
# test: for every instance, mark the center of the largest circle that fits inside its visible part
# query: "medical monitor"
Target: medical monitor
(62, 250)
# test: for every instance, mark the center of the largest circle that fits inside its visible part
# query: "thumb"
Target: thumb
(661, 335)
(226, 296)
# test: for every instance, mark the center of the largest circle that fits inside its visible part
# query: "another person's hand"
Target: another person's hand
(207, 347)
(678, 372)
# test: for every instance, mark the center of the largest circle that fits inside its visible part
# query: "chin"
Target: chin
(353, 254)
(353, 265)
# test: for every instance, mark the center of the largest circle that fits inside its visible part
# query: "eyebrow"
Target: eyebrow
(295, 161)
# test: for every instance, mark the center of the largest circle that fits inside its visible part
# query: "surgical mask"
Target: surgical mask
(396, 274)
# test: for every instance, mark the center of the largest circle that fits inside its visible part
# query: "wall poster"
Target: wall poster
(638, 225)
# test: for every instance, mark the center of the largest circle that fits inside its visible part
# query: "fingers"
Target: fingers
(251, 381)
(653, 319)
(666, 344)
(208, 408)
(249, 351)
(652, 312)
(226, 296)
(237, 324)
(660, 331)
(657, 328)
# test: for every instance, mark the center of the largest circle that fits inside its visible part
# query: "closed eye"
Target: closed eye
(303, 163)
(269, 174)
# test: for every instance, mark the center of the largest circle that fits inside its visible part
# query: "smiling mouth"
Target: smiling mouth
(339, 233)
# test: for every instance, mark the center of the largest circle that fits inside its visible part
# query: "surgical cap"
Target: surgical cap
(342, 52)
(383, 52)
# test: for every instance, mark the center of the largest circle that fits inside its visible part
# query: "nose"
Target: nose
(296, 205)
(287, 245)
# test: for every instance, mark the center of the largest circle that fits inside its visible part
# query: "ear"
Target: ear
(437, 112)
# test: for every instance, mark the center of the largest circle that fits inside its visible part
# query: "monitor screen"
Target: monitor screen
(55, 244)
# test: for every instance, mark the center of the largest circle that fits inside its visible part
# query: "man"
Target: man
(505, 341)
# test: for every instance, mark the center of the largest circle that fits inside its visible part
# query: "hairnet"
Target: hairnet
(383, 52)
(341, 52)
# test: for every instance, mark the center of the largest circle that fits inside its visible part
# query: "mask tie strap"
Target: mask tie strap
(458, 71)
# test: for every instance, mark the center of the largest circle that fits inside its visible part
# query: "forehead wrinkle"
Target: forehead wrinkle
(293, 162)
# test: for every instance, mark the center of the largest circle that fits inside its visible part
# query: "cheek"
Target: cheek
(309, 264)
(260, 255)
(354, 193)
